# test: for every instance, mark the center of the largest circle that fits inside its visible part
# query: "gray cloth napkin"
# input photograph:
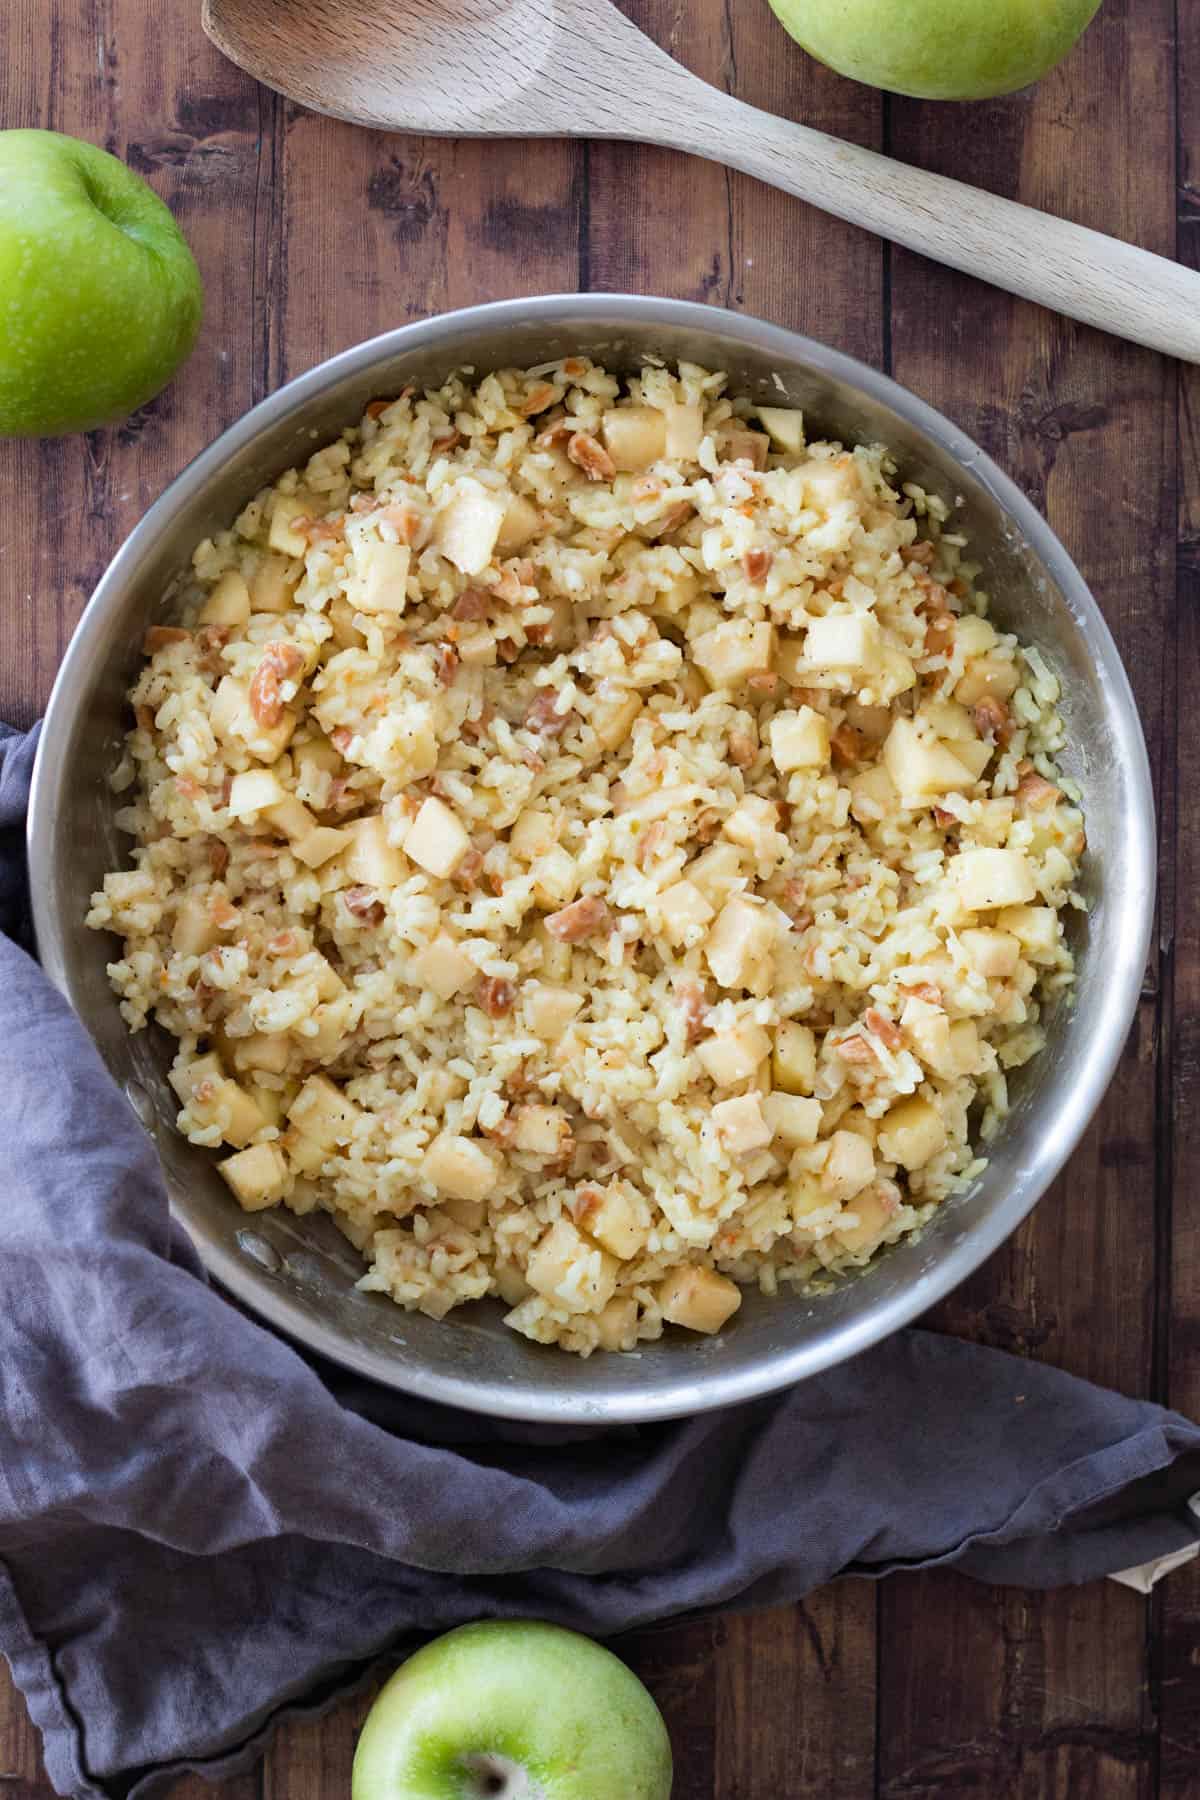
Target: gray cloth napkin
(201, 1530)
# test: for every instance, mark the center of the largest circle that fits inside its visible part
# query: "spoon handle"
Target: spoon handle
(1100, 280)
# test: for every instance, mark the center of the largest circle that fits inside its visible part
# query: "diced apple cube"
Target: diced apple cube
(872, 1217)
(634, 436)
(1035, 928)
(733, 1056)
(849, 641)
(268, 1051)
(370, 859)
(685, 428)
(291, 816)
(253, 791)
(533, 833)
(239, 1116)
(928, 1031)
(461, 1167)
(829, 480)
(319, 844)
(733, 650)
(186, 1078)
(232, 721)
(193, 931)
(549, 1010)
(228, 603)
(259, 1177)
(273, 584)
(698, 1299)
(685, 913)
(612, 720)
(443, 967)
(305, 1157)
(283, 536)
(519, 524)
(740, 1124)
(437, 840)
(565, 1268)
(849, 1165)
(470, 1214)
(784, 426)
(993, 954)
(974, 636)
(555, 878)
(323, 1113)
(912, 1133)
(921, 765)
(873, 795)
(617, 1323)
(985, 879)
(715, 870)
(964, 1046)
(799, 740)
(737, 443)
(794, 1057)
(793, 1119)
(740, 942)
(753, 824)
(466, 530)
(382, 570)
(996, 676)
(541, 1130)
(610, 1215)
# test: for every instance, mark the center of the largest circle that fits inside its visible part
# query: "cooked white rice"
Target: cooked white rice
(591, 843)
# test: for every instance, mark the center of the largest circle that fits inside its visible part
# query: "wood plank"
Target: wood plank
(311, 1759)
(419, 225)
(189, 122)
(797, 1699)
(1178, 1603)
(1027, 1693)
(20, 1746)
(680, 1664)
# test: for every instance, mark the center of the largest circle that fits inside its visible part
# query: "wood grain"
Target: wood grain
(312, 235)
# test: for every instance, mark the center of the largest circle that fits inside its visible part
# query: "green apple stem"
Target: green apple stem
(493, 1777)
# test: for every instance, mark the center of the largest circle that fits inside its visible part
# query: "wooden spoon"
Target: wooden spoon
(578, 68)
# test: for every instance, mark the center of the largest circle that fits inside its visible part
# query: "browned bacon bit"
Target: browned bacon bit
(695, 1012)
(742, 749)
(924, 990)
(588, 454)
(992, 720)
(707, 825)
(646, 487)
(281, 944)
(186, 788)
(517, 1083)
(651, 838)
(280, 662)
(944, 818)
(538, 399)
(555, 433)
(585, 1203)
(921, 553)
(507, 650)
(467, 873)
(405, 520)
(160, 636)
(855, 1050)
(674, 517)
(365, 503)
(449, 440)
(341, 738)
(846, 746)
(218, 857)
(574, 367)
(496, 995)
(756, 564)
(145, 717)
(885, 1029)
(363, 903)
(472, 603)
(1036, 793)
(320, 531)
(542, 715)
(957, 587)
(473, 729)
(377, 408)
(584, 918)
(445, 663)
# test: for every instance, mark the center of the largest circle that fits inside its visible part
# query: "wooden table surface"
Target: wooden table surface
(312, 235)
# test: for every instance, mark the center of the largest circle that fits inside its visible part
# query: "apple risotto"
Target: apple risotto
(591, 842)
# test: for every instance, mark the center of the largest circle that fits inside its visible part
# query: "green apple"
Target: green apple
(938, 49)
(100, 300)
(513, 1710)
